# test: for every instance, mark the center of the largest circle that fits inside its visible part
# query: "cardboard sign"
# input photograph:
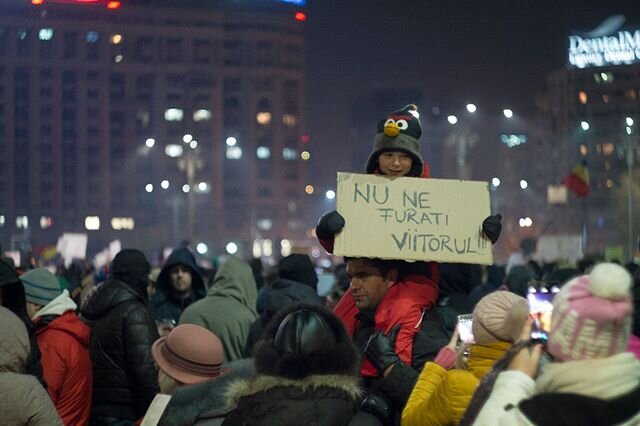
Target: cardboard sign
(413, 219)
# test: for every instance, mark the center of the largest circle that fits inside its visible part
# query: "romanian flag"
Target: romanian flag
(578, 180)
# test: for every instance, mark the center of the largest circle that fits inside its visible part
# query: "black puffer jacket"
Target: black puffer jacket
(124, 373)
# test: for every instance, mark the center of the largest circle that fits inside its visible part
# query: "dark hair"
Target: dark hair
(382, 265)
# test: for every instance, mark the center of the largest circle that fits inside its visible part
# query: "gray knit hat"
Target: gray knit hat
(40, 286)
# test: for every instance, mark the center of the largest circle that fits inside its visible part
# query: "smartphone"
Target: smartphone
(465, 323)
(540, 309)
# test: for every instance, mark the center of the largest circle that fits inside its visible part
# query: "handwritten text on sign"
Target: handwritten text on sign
(412, 218)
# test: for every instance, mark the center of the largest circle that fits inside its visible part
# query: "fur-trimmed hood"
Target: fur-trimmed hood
(241, 388)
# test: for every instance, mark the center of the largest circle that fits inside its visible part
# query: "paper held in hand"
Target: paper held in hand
(413, 218)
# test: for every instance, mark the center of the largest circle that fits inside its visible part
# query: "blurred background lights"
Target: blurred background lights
(524, 184)
(308, 189)
(495, 182)
(148, 187)
(150, 142)
(202, 248)
(330, 194)
(471, 108)
(231, 141)
(452, 119)
(507, 113)
(231, 247)
(164, 184)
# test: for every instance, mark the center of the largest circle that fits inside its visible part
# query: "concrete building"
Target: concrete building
(152, 123)
(594, 106)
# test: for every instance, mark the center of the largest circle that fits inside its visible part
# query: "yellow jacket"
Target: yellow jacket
(441, 396)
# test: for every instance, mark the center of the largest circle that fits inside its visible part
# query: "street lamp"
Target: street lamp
(507, 113)
(471, 108)
(584, 125)
(452, 119)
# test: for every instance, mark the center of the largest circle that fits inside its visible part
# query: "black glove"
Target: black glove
(329, 225)
(492, 227)
(380, 349)
(378, 405)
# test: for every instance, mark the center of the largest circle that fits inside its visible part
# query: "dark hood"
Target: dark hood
(298, 267)
(8, 274)
(286, 292)
(459, 278)
(181, 256)
(108, 295)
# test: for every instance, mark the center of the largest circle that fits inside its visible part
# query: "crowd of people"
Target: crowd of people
(243, 347)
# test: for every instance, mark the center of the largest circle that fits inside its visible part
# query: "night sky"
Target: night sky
(492, 53)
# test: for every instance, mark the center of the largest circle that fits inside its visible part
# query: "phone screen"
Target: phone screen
(465, 323)
(540, 308)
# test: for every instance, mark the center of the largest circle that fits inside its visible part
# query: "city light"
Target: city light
(471, 108)
(234, 153)
(285, 247)
(495, 182)
(263, 118)
(186, 188)
(203, 186)
(202, 248)
(193, 144)
(92, 223)
(330, 194)
(118, 58)
(524, 184)
(305, 155)
(114, 4)
(231, 141)
(173, 150)
(45, 34)
(148, 187)
(116, 39)
(231, 247)
(300, 16)
(22, 222)
(525, 222)
(308, 189)
(584, 125)
(452, 119)
(164, 184)
(2, 220)
(150, 142)
(187, 138)
(507, 113)
(123, 223)
(263, 152)
(45, 222)
(629, 121)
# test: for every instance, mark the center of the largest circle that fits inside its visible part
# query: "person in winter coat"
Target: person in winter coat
(591, 379)
(205, 404)
(306, 374)
(12, 297)
(23, 401)
(125, 379)
(297, 283)
(229, 308)
(178, 286)
(64, 344)
(441, 393)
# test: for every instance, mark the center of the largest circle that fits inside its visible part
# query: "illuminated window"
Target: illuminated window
(92, 223)
(264, 224)
(583, 97)
(92, 37)
(116, 39)
(263, 118)
(603, 77)
(289, 120)
(118, 58)
(608, 148)
(22, 222)
(201, 115)
(609, 183)
(2, 220)
(263, 152)
(122, 223)
(234, 152)
(289, 154)
(584, 150)
(45, 34)
(45, 222)
(173, 114)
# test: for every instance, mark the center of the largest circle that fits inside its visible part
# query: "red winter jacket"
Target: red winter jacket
(64, 344)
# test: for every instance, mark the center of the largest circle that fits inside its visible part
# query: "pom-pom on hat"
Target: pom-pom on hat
(190, 354)
(399, 131)
(592, 315)
(499, 317)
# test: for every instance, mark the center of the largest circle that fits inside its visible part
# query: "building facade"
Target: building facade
(151, 123)
(594, 106)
